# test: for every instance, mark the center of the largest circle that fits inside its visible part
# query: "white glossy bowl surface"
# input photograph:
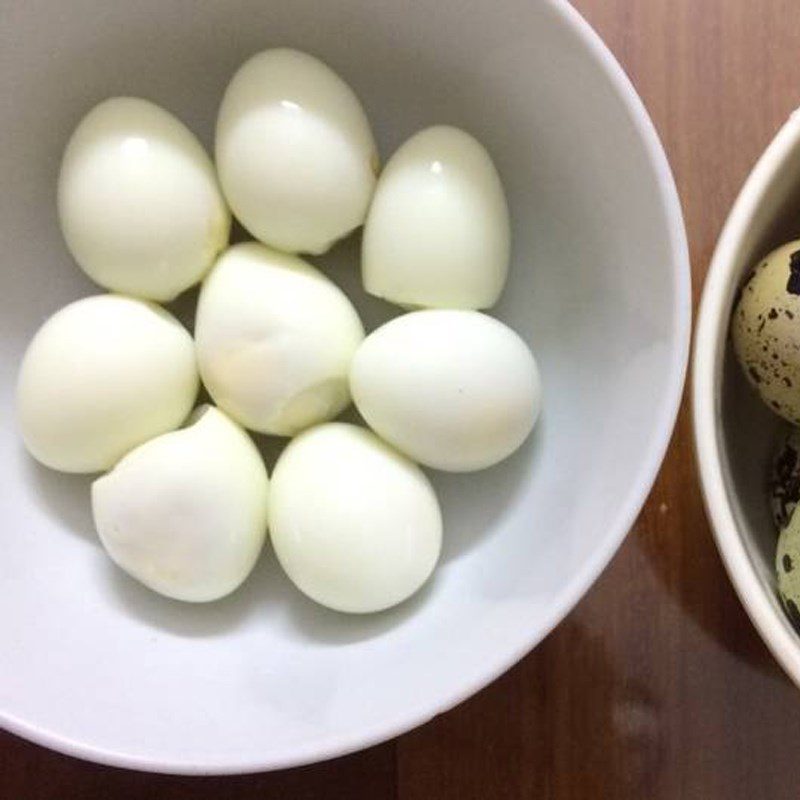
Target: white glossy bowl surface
(736, 435)
(92, 663)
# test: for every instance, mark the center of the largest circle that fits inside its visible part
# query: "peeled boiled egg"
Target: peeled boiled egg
(186, 512)
(437, 234)
(140, 207)
(355, 525)
(454, 390)
(101, 376)
(295, 152)
(275, 339)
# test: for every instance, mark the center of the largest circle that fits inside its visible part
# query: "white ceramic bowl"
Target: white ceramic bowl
(736, 436)
(93, 664)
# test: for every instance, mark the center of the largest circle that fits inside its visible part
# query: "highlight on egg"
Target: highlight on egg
(454, 390)
(101, 376)
(295, 152)
(438, 234)
(186, 513)
(139, 204)
(355, 525)
(275, 339)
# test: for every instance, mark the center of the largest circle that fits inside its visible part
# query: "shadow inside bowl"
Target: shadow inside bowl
(267, 591)
(313, 622)
(474, 502)
(65, 498)
(191, 620)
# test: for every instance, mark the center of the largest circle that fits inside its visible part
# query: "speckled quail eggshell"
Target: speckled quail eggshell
(295, 153)
(275, 339)
(766, 330)
(454, 390)
(784, 485)
(101, 376)
(138, 200)
(186, 512)
(437, 234)
(355, 525)
(787, 563)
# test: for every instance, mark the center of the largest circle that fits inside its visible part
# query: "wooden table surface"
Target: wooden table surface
(656, 686)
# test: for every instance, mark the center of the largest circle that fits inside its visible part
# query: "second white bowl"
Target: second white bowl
(736, 436)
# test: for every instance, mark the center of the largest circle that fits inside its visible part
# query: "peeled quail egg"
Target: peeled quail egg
(186, 512)
(437, 234)
(295, 153)
(766, 330)
(101, 376)
(454, 390)
(138, 199)
(275, 339)
(355, 525)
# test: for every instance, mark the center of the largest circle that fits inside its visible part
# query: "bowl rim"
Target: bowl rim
(707, 361)
(490, 669)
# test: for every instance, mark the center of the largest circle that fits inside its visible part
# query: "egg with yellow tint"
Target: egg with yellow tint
(275, 338)
(186, 513)
(355, 524)
(453, 390)
(140, 207)
(295, 153)
(101, 376)
(437, 234)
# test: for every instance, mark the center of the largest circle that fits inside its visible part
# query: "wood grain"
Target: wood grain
(656, 686)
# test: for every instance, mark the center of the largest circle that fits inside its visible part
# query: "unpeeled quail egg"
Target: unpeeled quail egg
(101, 376)
(275, 339)
(787, 563)
(437, 234)
(186, 512)
(766, 330)
(784, 484)
(138, 199)
(295, 152)
(454, 390)
(355, 525)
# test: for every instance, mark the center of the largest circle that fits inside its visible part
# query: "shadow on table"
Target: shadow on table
(676, 539)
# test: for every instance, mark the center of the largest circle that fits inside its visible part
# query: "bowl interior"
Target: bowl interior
(94, 664)
(748, 433)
